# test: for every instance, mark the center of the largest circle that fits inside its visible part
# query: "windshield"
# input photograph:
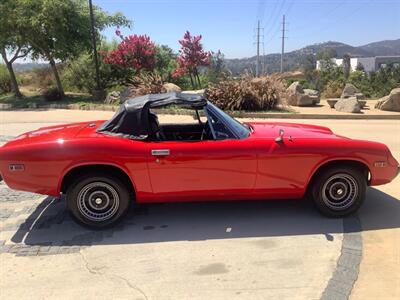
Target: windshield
(239, 129)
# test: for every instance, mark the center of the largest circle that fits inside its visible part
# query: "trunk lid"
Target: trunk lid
(52, 133)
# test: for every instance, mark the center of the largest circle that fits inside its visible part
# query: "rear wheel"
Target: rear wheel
(339, 191)
(98, 200)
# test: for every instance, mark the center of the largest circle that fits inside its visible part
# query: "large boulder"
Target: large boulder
(332, 101)
(112, 97)
(297, 97)
(349, 91)
(199, 92)
(314, 94)
(170, 87)
(359, 96)
(349, 105)
(390, 102)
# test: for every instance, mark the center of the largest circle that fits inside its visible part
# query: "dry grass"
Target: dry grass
(247, 93)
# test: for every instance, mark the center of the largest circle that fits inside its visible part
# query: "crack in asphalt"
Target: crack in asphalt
(110, 276)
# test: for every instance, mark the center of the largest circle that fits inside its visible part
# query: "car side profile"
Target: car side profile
(104, 166)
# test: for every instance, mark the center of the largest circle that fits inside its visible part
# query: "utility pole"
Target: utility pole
(283, 42)
(258, 49)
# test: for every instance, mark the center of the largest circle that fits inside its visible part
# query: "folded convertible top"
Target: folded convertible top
(132, 116)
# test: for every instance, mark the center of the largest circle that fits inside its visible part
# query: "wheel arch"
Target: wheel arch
(78, 170)
(360, 165)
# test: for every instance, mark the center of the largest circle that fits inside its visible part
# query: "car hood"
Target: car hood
(53, 133)
(271, 130)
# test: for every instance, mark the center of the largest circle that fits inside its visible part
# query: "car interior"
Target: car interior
(179, 132)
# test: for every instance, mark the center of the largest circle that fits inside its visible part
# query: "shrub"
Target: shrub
(42, 78)
(146, 83)
(247, 93)
(79, 75)
(5, 81)
(51, 94)
(333, 89)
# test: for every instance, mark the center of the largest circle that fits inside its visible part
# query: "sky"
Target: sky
(229, 25)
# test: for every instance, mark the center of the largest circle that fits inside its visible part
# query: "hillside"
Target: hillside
(295, 59)
(389, 47)
(22, 67)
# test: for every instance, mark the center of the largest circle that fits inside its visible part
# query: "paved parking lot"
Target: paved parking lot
(241, 250)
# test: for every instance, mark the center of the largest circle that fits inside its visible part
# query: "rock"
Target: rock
(349, 105)
(349, 91)
(314, 94)
(200, 92)
(170, 87)
(311, 92)
(305, 100)
(362, 103)
(390, 102)
(332, 102)
(297, 97)
(113, 97)
(359, 96)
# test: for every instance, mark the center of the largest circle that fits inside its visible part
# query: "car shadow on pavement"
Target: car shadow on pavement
(50, 224)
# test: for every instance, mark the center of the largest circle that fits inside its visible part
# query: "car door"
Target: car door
(202, 170)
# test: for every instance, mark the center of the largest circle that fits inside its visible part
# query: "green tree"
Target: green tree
(216, 70)
(10, 42)
(165, 62)
(346, 66)
(58, 30)
(360, 67)
(78, 73)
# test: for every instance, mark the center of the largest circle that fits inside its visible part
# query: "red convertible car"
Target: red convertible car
(104, 166)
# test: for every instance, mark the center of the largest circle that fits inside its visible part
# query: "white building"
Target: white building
(370, 64)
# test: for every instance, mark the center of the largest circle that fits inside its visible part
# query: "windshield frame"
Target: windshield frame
(238, 129)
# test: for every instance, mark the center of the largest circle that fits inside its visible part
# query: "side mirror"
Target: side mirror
(279, 139)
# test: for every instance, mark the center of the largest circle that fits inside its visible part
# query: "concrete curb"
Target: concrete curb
(104, 107)
(317, 116)
(348, 265)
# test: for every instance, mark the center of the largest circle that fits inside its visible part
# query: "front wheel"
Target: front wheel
(98, 200)
(339, 191)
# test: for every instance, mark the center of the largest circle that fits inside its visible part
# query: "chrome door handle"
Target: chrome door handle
(160, 152)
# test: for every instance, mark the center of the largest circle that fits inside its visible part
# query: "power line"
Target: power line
(340, 19)
(290, 6)
(271, 14)
(275, 19)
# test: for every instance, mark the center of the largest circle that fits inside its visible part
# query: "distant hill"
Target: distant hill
(388, 47)
(22, 67)
(295, 59)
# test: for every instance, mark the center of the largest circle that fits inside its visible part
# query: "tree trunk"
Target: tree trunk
(191, 80)
(196, 75)
(56, 76)
(14, 83)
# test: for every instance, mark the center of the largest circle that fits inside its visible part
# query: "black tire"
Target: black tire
(98, 200)
(339, 191)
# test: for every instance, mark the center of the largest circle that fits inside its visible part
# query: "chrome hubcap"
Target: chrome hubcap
(340, 191)
(98, 201)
